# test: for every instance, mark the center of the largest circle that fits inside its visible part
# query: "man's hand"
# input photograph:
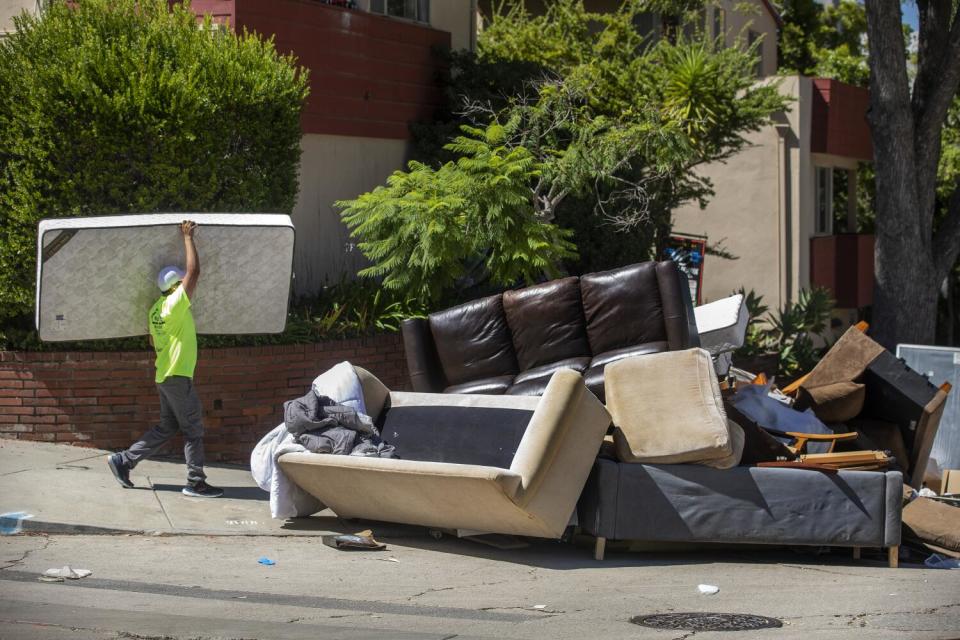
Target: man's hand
(187, 228)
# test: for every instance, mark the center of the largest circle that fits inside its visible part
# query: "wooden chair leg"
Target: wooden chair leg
(599, 548)
(856, 553)
(893, 553)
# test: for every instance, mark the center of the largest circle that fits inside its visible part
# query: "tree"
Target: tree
(612, 120)
(824, 41)
(422, 228)
(916, 248)
(131, 106)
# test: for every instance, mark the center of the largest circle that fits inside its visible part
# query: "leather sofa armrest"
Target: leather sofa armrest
(678, 316)
(423, 363)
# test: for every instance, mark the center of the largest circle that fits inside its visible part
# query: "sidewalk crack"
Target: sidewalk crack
(26, 554)
(159, 502)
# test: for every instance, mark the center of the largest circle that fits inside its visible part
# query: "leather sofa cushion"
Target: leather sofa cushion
(545, 371)
(622, 307)
(473, 341)
(487, 386)
(546, 322)
(534, 381)
(593, 378)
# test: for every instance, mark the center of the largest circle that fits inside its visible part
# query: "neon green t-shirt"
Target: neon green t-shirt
(174, 335)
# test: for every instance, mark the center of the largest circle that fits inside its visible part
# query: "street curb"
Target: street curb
(39, 526)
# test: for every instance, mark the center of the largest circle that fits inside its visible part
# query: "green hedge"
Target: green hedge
(131, 106)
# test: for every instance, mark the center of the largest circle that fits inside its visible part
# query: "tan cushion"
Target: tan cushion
(667, 409)
(737, 441)
(933, 523)
(375, 393)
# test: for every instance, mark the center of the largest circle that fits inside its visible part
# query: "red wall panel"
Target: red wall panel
(370, 76)
(840, 120)
(844, 264)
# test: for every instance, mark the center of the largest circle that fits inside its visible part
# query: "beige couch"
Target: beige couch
(557, 437)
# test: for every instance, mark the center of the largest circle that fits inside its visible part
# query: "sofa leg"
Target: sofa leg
(599, 547)
(893, 553)
(856, 553)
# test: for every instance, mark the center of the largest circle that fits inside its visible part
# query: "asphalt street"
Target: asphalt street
(198, 587)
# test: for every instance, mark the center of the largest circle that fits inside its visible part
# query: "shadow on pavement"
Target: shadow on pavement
(232, 493)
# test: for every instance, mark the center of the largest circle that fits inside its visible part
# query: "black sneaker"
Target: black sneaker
(202, 490)
(120, 470)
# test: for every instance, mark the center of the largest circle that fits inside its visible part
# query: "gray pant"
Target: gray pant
(180, 408)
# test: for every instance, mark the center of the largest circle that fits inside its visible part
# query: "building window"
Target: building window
(824, 202)
(752, 37)
(418, 10)
(720, 26)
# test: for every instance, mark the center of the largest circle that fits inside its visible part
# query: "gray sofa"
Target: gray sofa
(671, 473)
(759, 505)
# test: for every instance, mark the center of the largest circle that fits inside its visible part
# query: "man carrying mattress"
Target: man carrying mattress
(174, 338)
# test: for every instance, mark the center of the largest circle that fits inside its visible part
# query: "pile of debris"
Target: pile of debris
(860, 408)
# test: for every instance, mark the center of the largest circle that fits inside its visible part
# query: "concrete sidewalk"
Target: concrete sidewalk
(71, 490)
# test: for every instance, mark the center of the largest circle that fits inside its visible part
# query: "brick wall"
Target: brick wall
(108, 399)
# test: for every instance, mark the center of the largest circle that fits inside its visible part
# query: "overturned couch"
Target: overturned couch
(490, 464)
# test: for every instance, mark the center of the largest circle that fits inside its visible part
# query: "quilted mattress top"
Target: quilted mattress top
(96, 277)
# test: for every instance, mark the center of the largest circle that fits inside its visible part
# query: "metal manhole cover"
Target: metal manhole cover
(707, 621)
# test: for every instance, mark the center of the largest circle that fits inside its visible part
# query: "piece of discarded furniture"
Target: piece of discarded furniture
(722, 326)
(95, 276)
(686, 423)
(638, 492)
(512, 343)
(864, 386)
(751, 505)
(491, 464)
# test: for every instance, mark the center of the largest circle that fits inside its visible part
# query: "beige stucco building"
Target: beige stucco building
(773, 207)
(11, 8)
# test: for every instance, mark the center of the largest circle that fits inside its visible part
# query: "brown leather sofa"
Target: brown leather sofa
(511, 343)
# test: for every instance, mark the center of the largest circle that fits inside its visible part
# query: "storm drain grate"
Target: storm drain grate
(707, 621)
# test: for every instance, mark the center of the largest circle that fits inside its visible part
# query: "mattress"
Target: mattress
(722, 325)
(96, 277)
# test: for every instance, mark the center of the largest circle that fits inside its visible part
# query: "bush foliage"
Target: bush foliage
(132, 106)
(792, 332)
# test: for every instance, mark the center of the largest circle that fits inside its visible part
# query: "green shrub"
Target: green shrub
(424, 228)
(790, 332)
(131, 106)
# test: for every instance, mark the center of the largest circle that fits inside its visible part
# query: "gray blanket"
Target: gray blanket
(321, 425)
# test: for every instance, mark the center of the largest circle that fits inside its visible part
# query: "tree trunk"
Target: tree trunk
(906, 270)
(905, 295)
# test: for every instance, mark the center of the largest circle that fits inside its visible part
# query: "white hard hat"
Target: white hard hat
(168, 277)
